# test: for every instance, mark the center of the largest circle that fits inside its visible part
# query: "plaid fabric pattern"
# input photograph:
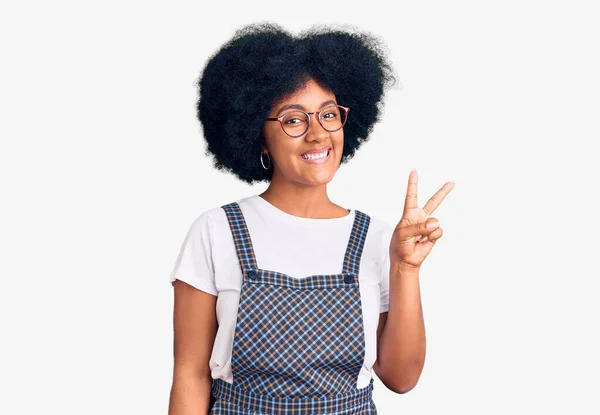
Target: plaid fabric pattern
(235, 401)
(299, 343)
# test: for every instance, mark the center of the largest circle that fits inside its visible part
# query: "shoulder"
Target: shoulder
(215, 217)
(205, 219)
(379, 229)
(377, 240)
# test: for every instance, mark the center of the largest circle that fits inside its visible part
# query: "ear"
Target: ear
(263, 143)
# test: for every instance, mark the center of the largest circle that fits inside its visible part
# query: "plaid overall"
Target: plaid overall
(299, 343)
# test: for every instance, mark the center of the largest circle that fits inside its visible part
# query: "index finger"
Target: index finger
(410, 202)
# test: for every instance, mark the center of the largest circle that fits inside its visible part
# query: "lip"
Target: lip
(317, 151)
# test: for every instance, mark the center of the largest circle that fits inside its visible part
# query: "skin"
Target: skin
(401, 331)
(195, 328)
(297, 187)
(300, 188)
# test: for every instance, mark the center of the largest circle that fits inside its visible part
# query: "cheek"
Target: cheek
(284, 149)
(275, 138)
(338, 142)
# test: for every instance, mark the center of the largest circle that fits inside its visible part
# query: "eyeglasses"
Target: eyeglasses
(296, 123)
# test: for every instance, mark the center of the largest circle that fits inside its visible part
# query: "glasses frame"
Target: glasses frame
(308, 114)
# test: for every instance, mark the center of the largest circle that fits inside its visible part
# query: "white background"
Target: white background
(103, 170)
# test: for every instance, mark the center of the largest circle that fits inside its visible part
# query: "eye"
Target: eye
(294, 118)
(330, 113)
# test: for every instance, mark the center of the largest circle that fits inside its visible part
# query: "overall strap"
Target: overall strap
(356, 243)
(241, 236)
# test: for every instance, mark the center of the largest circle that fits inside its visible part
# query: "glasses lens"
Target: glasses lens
(333, 118)
(295, 123)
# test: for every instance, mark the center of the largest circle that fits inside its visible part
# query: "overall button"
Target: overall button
(251, 274)
(348, 278)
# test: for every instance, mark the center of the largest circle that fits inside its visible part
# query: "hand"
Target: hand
(412, 241)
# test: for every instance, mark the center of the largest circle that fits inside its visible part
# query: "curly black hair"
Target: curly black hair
(263, 63)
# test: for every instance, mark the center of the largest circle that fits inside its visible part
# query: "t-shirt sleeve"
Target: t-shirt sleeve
(194, 264)
(384, 283)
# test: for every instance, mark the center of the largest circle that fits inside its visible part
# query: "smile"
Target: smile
(317, 157)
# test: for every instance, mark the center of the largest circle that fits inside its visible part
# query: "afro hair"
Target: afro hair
(263, 63)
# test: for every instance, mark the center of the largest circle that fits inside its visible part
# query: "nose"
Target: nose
(315, 129)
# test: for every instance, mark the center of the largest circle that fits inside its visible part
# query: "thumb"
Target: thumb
(423, 228)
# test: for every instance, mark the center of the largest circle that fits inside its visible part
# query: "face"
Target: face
(289, 155)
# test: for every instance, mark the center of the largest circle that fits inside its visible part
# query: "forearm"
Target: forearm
(190, 394)
(401, 353)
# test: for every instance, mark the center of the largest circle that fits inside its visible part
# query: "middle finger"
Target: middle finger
(438, 197)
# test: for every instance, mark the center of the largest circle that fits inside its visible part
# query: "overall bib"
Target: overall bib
(299, 343)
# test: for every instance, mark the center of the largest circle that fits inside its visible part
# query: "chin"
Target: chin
(318, 179)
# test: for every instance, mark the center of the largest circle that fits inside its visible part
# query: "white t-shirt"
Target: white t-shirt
(296, 246)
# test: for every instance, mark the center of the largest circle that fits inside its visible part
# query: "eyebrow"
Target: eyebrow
(300, 107)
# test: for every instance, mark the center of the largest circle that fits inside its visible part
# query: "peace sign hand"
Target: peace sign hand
(412, 240)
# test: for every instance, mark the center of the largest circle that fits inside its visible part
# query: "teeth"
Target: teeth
(315, 156)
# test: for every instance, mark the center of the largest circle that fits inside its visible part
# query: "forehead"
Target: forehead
(310, 97)
(311, 91)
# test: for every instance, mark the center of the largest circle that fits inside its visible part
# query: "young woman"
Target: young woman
(285, 302)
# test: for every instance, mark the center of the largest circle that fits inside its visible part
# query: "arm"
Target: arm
(195, 327)
(401, 333)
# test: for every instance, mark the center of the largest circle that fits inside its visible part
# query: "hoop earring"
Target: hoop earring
(263, 163)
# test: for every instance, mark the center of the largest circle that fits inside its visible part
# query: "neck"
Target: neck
(307, 201)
